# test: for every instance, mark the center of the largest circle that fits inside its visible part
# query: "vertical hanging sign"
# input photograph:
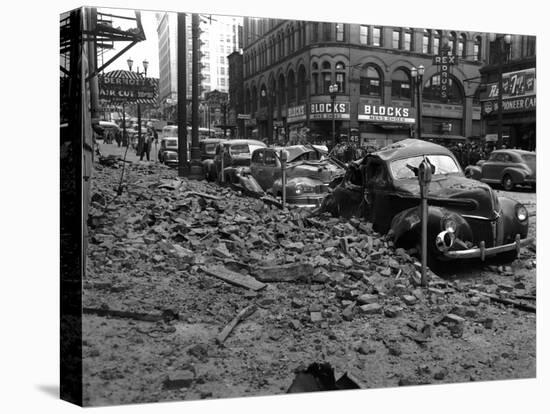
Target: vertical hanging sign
(444, 61)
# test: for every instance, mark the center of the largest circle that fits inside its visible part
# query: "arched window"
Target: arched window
(477, 48)
(461, 51)
(302, 84)
(426, 41)
(280, 45)
(315, 79)
(254, 99)
(282, 91)
(433, 89)
(436, 42)
(340, 72)
(326, 77)
(247, 103)
(400, 85)
(370, 81)
(452, 43)
(263, 96)
(291, 87)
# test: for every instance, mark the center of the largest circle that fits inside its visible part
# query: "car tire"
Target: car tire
(507, 183)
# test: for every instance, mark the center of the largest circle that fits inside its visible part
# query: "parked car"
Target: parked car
(507, 167)
(308, 173)
(109, 131)
(466, 218)
(208, 152)
(168, 152)
(237, 153)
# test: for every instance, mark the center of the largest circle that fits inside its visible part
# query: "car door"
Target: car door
(272, 167)
(257, 166)
(380, 205)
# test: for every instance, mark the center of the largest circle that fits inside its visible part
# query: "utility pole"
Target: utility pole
(182, 98)
(196, 171)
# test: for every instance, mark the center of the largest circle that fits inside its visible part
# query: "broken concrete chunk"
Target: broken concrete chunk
(367, 298)
(371, 308)
(409, 299)
(316, 316)
(179, 379)
(293, 272)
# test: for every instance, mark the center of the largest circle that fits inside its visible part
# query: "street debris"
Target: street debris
(170, 261)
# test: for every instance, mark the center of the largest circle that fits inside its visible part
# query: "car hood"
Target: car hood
(455, 192)
(324, 170)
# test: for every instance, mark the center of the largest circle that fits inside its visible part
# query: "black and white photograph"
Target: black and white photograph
(274, 206)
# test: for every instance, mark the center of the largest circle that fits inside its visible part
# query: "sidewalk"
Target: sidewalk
(114, 149)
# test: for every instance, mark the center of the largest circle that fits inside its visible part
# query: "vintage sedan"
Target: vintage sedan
(236, 153)
(466, 218)
(168, 152)
(308, 173)
(507, 167)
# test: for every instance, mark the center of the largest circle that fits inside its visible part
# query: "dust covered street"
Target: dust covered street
(194, 291)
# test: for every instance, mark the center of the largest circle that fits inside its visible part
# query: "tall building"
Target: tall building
(220, 36)
(511, 58)
(290, 65)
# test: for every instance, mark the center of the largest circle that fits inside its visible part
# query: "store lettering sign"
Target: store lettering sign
(444, 61)
(528, 103)
(381, 113)
(126, 89)
(296, 113)
(322, 110)
(514, 84)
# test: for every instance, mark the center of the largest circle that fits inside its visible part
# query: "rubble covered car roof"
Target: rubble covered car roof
(410, 148)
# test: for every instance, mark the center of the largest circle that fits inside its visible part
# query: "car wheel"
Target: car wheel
(507, 183)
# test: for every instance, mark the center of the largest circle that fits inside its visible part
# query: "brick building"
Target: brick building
(289, 66)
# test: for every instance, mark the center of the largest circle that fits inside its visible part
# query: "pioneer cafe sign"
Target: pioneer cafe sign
(444, 61)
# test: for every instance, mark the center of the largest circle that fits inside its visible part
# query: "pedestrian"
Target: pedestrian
(146, 147)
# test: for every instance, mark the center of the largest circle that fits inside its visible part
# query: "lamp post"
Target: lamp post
(502, 44)
(417, 75)
(333, 88)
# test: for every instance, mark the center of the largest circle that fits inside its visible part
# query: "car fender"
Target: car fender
(517, 174)
(473, 171)
(510, 223)
(405, 226)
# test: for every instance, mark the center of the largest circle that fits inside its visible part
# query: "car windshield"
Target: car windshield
(529, 158)
(443, 164)
(239, 149)
(171, 143)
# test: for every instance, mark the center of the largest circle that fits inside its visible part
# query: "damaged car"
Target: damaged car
(236, 154)
(309, 173)
(466, 218)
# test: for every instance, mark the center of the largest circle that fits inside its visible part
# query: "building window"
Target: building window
(436, 42)
(341, 77)
(314, 78)
(326, 31)
(452, 43)
(407, 41)
(432, 91)
(363, 34)
(291, 83)
(400, 85)
(477, 48)
(302, 84)
(370, 81)
(376, 36)
(327, 81)
(426, 41)
(314, 32)
(396, 39)
(339, 32)
(462, 46)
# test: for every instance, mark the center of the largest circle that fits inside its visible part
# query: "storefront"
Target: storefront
(321, 115)
(518, 110)
(296, 122)
(381, 125)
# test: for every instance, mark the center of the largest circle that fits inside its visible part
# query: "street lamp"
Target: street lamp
(333, 88)
(130, 62)
(502, 45)
(417, 75)
(145, 66)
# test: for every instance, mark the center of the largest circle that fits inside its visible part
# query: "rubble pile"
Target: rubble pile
(232, 294)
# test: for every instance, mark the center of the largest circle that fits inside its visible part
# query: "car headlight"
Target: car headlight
(302, 188)
(449, 225)
(521, 213)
